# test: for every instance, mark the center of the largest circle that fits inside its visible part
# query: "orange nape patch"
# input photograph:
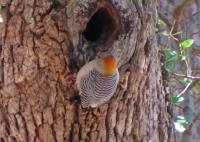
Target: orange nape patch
(110, 65)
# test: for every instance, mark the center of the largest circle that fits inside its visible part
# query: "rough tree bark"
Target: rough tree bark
(44, 44)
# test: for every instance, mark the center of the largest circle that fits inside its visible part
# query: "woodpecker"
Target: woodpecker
(97, 81)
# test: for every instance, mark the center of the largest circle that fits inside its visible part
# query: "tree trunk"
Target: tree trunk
(45, 43)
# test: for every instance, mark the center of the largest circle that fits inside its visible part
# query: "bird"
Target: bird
(97, 81)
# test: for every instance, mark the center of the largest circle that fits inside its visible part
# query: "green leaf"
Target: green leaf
(181, 58)
(164, 33)
(179, 127)
(166, 49)
(171, 55)
(176, 99)
(189, 70)
(177, 33)
(160, 22)
(186, 43)
(181, 120)
(170, 66)
(184, 80)
(172, 58)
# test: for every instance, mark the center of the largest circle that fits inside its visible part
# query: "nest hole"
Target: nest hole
(100, 27)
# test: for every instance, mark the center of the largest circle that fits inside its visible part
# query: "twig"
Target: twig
(196, 13)
(185, 89)
(187, 68)
(171, 34)
(187, 76)
(195, 33)
(197, 117)
(179, 107)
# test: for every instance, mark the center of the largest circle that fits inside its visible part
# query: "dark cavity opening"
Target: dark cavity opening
(100, 26)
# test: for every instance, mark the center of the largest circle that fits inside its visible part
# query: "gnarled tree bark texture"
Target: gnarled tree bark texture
(45, 43)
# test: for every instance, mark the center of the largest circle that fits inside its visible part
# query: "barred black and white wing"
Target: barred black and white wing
(96, 88)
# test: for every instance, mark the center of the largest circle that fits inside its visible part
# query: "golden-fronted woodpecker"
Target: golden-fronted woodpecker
(97, 81)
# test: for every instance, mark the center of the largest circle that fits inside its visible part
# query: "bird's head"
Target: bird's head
(107, 64)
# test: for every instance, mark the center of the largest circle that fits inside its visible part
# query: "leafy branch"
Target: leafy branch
(172, 58)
